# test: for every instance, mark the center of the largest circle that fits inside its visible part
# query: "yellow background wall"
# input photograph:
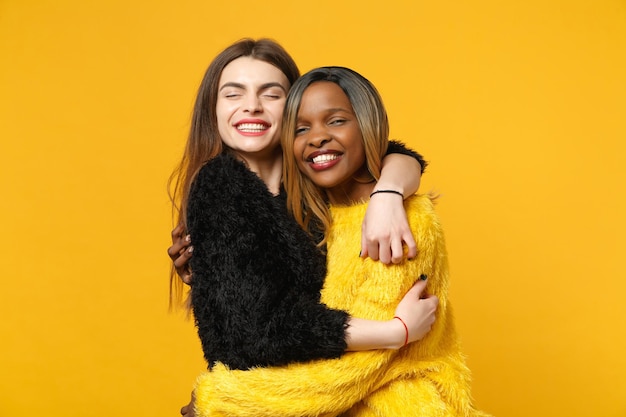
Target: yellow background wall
(520, 106)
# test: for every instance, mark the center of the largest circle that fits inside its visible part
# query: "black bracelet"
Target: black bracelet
(387, 191)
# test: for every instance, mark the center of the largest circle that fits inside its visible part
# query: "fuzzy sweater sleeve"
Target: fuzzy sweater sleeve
(256, 275)
(395, 146)
(320, 388)
(367, 289)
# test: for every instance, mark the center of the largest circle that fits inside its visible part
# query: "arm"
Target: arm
(325, 387)
(385, 226)
(254, 302)
(317, 389)
(414, 312)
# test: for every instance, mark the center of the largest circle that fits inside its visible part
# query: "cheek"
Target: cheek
(222, 115)
(277, 111)
(297, 149)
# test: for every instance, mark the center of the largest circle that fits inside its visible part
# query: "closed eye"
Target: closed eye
(301, 130)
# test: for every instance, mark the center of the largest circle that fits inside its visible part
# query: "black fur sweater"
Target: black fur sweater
(256, 275)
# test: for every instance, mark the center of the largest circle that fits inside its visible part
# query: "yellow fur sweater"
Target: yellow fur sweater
(425, 378)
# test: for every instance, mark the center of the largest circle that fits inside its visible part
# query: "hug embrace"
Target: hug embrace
(279, 173)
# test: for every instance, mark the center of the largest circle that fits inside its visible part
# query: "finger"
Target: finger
(183, 257)
(372, 251)
(174, 251)
(178, 247)
(417, 289)
(384, 251)
(397, 253)
(364, 253)
(432, 299)
(177, 232)
(409, 241)
(181, 264)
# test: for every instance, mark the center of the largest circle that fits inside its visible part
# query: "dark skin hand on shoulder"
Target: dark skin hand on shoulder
(180, 252)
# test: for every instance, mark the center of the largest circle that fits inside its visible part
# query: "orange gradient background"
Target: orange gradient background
(519, 106)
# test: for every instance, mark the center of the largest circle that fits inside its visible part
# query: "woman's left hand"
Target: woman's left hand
(386, 229)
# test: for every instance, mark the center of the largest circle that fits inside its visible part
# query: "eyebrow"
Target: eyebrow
(263, 86)
(330, 111)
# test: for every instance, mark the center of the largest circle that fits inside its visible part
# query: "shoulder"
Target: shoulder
(420, 203)
(422, 216)
(226, 167)
(225, 176)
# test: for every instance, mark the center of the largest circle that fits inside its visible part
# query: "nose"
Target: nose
(318, 137)
(253, 104)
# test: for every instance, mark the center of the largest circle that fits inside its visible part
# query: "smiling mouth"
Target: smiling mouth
(252, 127)
(320, 159)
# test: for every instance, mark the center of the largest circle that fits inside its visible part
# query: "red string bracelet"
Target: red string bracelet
(406, 329)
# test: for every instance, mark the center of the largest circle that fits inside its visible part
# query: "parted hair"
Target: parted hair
(305, 200)
(204, 141)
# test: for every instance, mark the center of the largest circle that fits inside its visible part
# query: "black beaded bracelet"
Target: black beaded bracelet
(387, 191)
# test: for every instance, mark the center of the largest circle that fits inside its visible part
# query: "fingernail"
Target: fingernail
(423, 277)
(190, 249)
(188, 238)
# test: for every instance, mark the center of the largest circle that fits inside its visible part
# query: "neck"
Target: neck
(358, 188)
(269, 168)
(350, 193)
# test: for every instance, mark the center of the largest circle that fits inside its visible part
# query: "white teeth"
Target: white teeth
(324, 158)
(251, 127)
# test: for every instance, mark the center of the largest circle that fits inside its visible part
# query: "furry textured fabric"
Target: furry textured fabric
(426, 378)
(256, 275)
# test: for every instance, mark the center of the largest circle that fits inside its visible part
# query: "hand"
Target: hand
(180, 253)
(189, 409)
(385, 229)
(417, 310)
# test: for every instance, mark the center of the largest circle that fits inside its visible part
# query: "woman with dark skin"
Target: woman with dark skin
(335, 134)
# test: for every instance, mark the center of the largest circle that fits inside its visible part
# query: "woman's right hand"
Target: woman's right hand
(180, 252)
(417, 311)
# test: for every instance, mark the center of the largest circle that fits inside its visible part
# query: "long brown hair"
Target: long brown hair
(204, 141)
(305, 200)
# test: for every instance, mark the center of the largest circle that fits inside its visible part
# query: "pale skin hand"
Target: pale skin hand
(385, 226)
(417, 311)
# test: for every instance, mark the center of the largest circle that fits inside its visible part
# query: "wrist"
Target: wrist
(384, 185)
(386, 191)
(397, 334)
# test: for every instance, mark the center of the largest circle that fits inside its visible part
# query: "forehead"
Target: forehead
(250, 71)
(323, 95)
